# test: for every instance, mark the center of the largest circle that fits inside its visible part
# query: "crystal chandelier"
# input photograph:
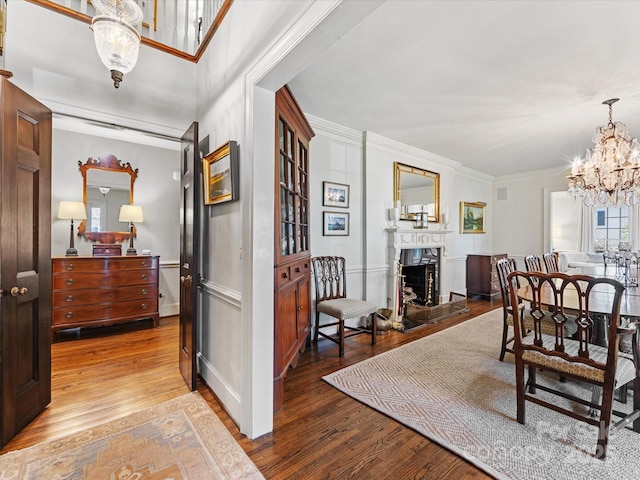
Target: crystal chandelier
(608, 175)
(117, 41)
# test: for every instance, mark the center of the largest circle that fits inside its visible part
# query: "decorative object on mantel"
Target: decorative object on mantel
(472, 217)
(335, 195)
(335, 224)
(394, 216)
(117, 41)
(608, 175)
(220, 172)
(444, 219)
(131, 214)
(71, 211)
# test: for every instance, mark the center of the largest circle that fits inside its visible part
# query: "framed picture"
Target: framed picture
(335, 223)
(335, 195)
(220, 173)
(472, 217)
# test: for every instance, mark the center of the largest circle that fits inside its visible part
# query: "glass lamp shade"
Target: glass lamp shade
(118, 44)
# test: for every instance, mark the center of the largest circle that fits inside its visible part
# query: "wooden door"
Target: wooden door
(25, 259)
(189, 261)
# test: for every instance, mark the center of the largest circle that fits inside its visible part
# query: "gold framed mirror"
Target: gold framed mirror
(107, 184)
(417, 192)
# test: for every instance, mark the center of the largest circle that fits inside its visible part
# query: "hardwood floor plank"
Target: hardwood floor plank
(106, 373)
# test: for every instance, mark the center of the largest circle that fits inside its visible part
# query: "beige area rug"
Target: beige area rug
(176, 440)
(451, 388)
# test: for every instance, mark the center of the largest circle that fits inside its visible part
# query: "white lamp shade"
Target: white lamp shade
(72, 211)
(130, 213)
(117, 42)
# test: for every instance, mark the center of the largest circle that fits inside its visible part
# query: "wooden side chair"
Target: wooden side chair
(331, 299)
(504, 267)
(533, 263)
(579, 359)
(551, 262)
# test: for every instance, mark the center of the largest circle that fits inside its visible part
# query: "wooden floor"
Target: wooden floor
(319, 434)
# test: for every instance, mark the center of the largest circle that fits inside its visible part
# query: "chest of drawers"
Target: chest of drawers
(482, 276)
(98, 291)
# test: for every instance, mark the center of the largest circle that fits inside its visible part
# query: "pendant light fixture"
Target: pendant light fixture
(117, 41)
(610, 172)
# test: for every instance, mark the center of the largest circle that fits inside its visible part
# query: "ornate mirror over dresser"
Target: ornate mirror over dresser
(107, 184)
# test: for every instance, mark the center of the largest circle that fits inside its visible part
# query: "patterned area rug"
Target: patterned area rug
(451, 388)
(176, 440)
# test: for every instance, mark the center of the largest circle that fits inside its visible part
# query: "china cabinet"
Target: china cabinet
(292, 257)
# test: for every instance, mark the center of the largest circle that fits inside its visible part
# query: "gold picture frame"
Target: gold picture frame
(473, 217)
(220, 174)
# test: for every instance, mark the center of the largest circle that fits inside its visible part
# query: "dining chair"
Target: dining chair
(504, 267)
(602, 366)
(329, 274)
(551, 262)
(533, 263)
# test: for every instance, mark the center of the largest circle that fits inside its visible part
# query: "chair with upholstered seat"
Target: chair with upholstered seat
(577, 358)
(504, 267)
(533, 263)
(331, 299)
(551, 262)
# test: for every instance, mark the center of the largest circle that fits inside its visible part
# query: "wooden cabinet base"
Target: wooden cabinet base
(99, 291)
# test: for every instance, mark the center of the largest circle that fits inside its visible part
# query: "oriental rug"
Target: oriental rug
(180, 439)
(451, 388)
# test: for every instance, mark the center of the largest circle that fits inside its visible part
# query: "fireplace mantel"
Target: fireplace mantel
(400, 239)
(417, 238)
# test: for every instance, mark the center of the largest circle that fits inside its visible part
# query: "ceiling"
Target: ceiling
(503, 87)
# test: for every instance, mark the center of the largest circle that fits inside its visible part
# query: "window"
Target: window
(611, 226)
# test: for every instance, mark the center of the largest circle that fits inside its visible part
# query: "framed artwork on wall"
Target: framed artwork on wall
(335, 224)
(335, 195)
(221, 175)
(472, 217)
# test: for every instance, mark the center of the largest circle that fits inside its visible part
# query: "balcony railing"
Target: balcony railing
(180, 27)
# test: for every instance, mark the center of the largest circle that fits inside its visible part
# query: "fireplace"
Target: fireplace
(420, 271)
(419, 253)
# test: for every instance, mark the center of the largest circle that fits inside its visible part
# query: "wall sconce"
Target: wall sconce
(72, 211)
(131, 214)
(117, 41)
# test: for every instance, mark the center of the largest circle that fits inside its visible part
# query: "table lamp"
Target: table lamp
(131, 214)
(72, 211)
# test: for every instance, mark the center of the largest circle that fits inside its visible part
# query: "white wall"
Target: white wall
(518, 223)
(155, 191)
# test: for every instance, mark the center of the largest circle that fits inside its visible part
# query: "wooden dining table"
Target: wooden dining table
(600, 300)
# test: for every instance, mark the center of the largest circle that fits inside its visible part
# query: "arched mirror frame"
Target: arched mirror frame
(112, 164)
(401, 170)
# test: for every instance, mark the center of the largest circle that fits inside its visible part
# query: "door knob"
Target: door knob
(15, 291)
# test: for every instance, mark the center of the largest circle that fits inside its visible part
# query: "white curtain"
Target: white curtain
(585, 227)
(634, 226)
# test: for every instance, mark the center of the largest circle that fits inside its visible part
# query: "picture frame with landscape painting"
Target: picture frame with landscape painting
(472, 217)
(335, 195)
(335, 224)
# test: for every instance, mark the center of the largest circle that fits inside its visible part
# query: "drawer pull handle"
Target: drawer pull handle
(69, 315)
(297, 269)
(69, 267)
(144, 263)
(284, 274)
(69, 281)
(143, 306)
(144, 276)
(69, 298)
(143, 291)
